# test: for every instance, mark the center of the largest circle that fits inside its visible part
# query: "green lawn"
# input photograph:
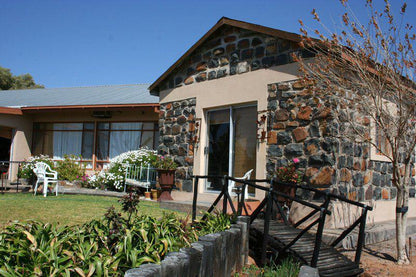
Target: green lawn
(62, 209)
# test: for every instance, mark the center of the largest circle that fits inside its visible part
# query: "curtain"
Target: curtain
(123, 138)
(67, 141)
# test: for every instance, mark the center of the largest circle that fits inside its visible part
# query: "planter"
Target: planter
(166, 177)
(166, 181)
(155, 194)
(147, 194)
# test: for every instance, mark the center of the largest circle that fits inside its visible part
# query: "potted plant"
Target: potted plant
(290, 175)
(166, 168)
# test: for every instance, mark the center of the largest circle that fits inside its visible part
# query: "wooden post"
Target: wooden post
(266, 225)
(194, 201)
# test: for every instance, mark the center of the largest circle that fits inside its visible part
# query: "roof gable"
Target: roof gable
(222, 23)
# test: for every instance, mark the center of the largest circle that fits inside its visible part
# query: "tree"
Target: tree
(10, 81)
(366, 72)
(6, 78)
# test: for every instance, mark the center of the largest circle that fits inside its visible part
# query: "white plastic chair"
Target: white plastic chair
(232, 185)
(45, 175)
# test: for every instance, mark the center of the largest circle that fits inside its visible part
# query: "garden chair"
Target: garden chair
(232, 187)
(45, 175)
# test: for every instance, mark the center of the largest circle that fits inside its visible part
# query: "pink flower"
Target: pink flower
(295, 160)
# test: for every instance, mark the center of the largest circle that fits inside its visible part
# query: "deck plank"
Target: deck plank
(330, 261)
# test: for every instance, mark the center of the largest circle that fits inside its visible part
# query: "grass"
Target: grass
(62, 209)
(286, 268)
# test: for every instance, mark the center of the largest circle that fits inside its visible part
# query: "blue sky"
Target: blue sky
(86, 43)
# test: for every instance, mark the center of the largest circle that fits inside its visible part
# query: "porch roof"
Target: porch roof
(78, 97)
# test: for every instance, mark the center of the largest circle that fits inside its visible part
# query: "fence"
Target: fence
(9, 174)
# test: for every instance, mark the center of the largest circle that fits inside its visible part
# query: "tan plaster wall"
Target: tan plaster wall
(250, 87)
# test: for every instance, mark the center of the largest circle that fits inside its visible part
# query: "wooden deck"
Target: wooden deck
(330, 261)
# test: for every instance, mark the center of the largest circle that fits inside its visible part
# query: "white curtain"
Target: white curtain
(67, 143)
(123, 141)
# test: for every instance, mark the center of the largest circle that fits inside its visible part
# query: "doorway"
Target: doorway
(5, 143)
(232, 141)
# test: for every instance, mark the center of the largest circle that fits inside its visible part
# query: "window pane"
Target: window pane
(89, 126)
(123, 141)
(156, 141)
(42, 126)
(245, 141)
(103, 125)
(126, 126)
(66, 143)
(42, 143)
(102, 145)
(148, 126)
(147, 139)
(218, 147)
(67, 126)
(87, 144)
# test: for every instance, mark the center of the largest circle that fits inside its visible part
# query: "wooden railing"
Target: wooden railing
(270, 201)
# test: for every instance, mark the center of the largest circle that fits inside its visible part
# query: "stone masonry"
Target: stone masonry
(231, 51)
(300, 126)
(177, 128)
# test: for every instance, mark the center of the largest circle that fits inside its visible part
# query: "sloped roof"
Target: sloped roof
(223, 21)
(77, 96)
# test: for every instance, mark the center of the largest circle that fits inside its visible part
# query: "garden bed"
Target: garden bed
(101, 247)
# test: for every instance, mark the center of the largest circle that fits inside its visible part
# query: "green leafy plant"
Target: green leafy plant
(70, 168)
(105, 247)
(285, 268)
(166, 163)
(289, 173)
(213, 223)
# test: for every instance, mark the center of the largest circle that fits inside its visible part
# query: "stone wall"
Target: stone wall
(177, 132)
(300, 126)
(218, 254)
(230, 51)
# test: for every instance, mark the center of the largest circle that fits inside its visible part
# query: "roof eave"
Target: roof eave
(10, 111)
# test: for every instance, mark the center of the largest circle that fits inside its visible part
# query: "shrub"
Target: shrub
(113, 178)
(26, 169)
(70, 168)
(106, 180)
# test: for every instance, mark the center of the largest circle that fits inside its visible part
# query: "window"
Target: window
(111, 139)
(381, 142)
(383, 149)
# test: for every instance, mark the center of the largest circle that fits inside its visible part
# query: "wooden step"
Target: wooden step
(330, 261)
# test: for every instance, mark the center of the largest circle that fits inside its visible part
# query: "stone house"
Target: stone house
(232, 103)
(96, 123)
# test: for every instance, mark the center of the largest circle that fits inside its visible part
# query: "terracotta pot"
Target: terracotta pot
(147, 194)
(155, 194)
(166, 177)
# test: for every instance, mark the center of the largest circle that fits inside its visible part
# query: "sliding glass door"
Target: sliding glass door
(231, 148)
